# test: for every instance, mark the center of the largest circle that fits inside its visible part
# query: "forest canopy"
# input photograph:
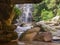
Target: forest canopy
(46, 10)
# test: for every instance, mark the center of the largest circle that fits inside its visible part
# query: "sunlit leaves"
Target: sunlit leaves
(58, 11)
(51, 3)
(46, 15)
(46, 9)
(17, 11)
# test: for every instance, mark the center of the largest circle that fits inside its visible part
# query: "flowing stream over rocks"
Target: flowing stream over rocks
(25, 18)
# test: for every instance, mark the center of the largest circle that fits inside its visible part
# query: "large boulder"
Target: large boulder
(29, 35)
(43, 36)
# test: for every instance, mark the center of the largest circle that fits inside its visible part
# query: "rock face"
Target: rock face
(29, 34)
(6, 28)
(43, 36)
(35, 34)
(7, 33)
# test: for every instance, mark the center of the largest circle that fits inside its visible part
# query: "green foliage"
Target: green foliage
(46, 10)
(17, 14)
(17, 11)
(46, 15)
(50, 3)
(58, 11)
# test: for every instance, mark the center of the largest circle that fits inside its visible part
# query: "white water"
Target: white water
(21, 30)
(26, 18)
(27, 13)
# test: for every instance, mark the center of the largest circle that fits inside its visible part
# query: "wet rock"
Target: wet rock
(35, 34)
(47, 36)
(29, 35)
(43, 36)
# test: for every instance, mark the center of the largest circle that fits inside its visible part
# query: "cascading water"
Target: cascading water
(25, 18)
(27, 13)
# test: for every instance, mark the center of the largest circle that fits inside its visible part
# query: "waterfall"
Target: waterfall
(27, 13)
(26, 18)
(26, 10)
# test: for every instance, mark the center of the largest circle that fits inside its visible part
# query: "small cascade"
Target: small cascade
(26, 16)
(27, 13)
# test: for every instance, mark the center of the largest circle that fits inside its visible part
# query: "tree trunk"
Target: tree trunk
(6, 28)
